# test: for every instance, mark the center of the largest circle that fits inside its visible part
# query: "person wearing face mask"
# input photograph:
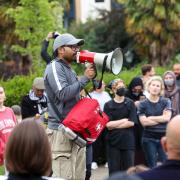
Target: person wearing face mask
(120, 136)
(172, 91)
(176, 70)
(135, 90)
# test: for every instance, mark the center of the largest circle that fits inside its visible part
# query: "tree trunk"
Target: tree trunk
(154, 54)
(162, 52)
(26, 64)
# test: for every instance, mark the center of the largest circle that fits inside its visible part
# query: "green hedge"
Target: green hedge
(16, 87)
(127, 75)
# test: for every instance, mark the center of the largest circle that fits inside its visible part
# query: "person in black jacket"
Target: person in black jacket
(35, 103)
(135, 92)
(44, 54)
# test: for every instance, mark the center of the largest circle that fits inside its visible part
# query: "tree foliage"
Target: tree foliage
(31, 19)
(25, 24)
(155, 24)
(104, 34)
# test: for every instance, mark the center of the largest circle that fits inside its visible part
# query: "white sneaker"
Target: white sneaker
(94, 165)
(106, 165)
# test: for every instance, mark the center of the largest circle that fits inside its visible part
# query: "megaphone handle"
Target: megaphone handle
(87, 92)
(100, 83)
(103, 69)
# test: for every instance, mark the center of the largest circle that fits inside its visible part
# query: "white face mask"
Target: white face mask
(169, 82)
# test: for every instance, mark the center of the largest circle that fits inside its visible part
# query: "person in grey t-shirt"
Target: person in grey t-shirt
(154, 113)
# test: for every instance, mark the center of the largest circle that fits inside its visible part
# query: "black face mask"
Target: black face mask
(136, 94)
(121, 91)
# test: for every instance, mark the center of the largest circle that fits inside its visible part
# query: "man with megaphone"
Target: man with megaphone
(63, 91)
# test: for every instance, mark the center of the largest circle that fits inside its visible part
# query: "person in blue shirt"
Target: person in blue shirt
(170, 169)
(154, 114)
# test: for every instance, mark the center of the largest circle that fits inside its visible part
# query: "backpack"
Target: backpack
(87, 119)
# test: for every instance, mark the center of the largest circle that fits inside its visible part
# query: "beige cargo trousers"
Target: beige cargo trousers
(68, 159)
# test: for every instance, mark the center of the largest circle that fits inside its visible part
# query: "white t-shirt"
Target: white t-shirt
(101, 97)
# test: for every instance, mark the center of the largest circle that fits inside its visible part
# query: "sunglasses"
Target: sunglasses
(73, 47)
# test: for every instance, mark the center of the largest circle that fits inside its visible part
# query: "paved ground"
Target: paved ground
(99, 174)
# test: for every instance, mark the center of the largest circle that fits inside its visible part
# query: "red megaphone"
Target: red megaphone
(114, 59)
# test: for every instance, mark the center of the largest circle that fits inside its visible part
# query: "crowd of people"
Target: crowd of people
(142, 128)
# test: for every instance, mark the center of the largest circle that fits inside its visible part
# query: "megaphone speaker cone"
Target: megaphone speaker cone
(116, 61)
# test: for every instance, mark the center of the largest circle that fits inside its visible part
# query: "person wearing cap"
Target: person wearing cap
(35, 102)
(63, 91)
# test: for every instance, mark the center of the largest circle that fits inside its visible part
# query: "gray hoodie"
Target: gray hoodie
(62, 88)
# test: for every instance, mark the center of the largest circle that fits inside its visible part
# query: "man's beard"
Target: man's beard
(74, 57)
(70, 59)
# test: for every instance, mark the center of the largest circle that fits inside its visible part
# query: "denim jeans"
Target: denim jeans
(153, 151)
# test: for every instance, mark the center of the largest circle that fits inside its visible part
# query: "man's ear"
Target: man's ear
(61, 50)
(164, 143)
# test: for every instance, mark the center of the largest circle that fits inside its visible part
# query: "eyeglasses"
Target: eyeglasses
(74, 48)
